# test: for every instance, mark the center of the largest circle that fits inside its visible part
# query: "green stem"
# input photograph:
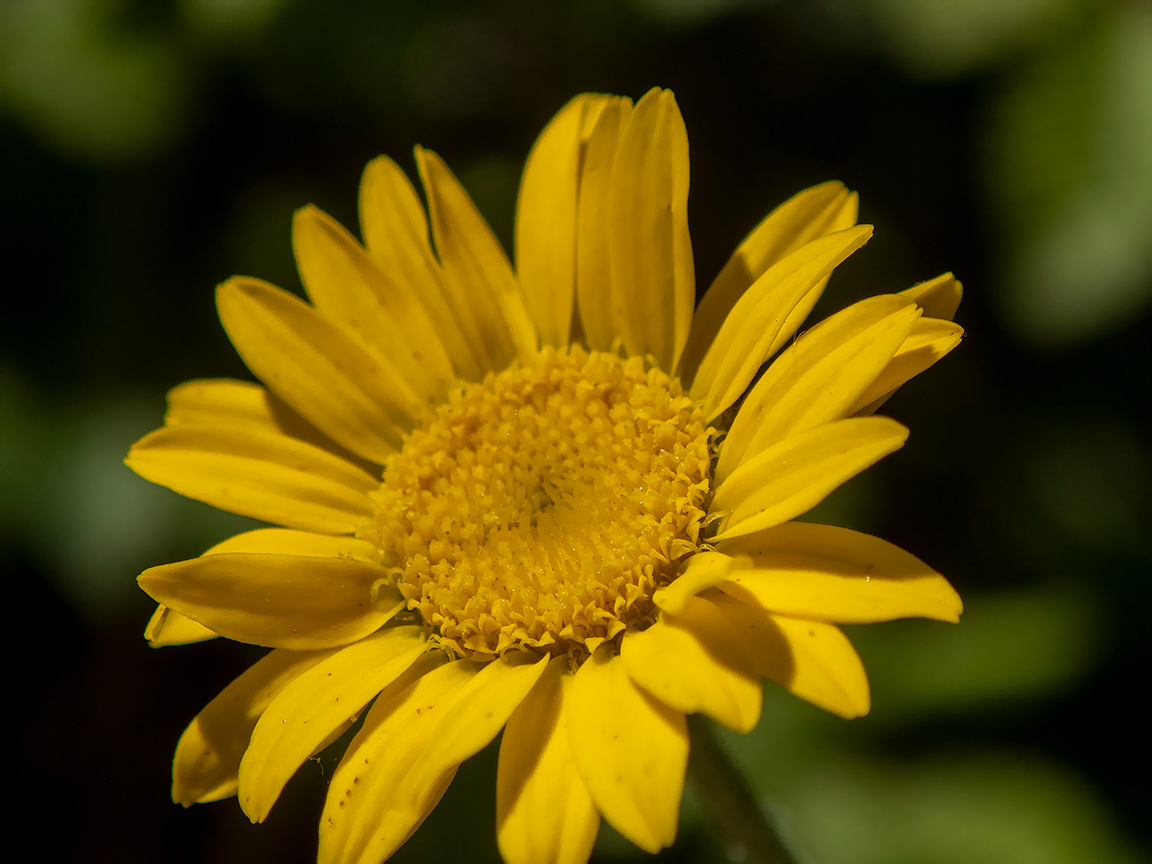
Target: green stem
(729, 802)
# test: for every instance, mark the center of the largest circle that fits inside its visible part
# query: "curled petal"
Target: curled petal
(546, 219)
(281, 601)
(168, 627)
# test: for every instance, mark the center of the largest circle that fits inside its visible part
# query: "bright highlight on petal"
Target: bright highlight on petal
(550, 499)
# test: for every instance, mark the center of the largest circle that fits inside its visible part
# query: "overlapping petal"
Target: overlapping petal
(766, 316)
(793, 476)
(168, 627)
(806, 216)
(834, 574)
(316, 706)
(546, 218)
(649, 250)
(481, 287)
(819, 377)
(702, 571)
(691, 662)
(280, 601)
(395, 229)
(409, 748)
(266, 476)
(346, 286)
(631, 751)
(593, 263)
(356, 398)
(544, 814)
(209, 752)
(811, 659)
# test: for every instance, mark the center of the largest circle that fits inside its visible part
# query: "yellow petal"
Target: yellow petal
(766, 316)
(546, 214)
(939, 297)
(703, 570)
(478, 279)
(811, 659)
(630, 749)
(366, 815)
(208, 755)
(692, 663)
(316, 704)
(168, 627)
(283, 541)
(244, 405)
(650, 252)
(395, 231)
(593, 265)
(270, 477)
(282, 601)
(819, 377)
(804, 217)
(929, 340)
(834, 574)
(347, 287)
(544, 814)
(792, 477)
(355, 398)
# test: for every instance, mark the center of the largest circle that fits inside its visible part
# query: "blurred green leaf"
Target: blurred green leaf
(90, 86)
(1070, 173)
(1007, 648)
(949, 38)
(992, 808)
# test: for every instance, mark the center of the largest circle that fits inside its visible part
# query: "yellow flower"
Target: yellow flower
(553, 500)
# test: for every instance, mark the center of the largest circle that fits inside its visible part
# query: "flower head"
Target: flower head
(551, 499)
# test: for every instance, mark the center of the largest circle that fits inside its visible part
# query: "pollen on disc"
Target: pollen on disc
(544, 505)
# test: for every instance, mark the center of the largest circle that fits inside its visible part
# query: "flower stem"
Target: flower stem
(729, 802)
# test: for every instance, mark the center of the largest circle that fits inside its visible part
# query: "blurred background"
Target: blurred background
(151, 148)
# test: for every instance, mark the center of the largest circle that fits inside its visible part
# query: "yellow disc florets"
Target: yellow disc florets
(543, 506)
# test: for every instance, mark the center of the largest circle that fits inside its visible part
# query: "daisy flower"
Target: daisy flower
(553, 499)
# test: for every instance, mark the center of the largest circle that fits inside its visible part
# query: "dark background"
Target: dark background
(149, 150)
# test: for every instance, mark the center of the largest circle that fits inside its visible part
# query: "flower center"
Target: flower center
(543, 506)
